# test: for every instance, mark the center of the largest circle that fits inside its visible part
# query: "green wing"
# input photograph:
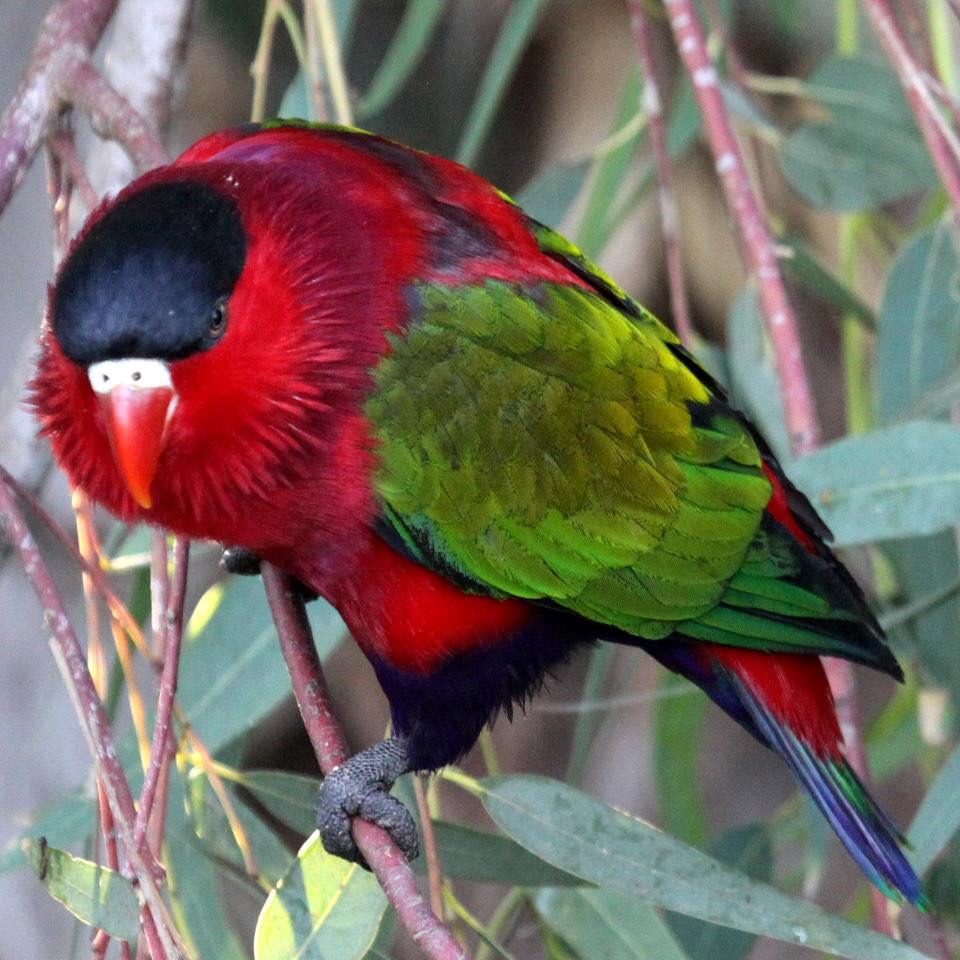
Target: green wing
(551, 442)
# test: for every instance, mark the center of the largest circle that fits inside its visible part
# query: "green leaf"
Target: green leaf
(919, 341)
(900, 481)
(549, 196)
(212, 829)
(194, 882)
(95, 895)
(417, 27)
(748, 850)
(466, 853)
(600, 923)
(324, 908)
(678, 727)
(514, 36)
(588, 723)
(608, 174)
(470, 854)
(803, 267)
(68, 822)
(754, 381)
(869, 152)
(938, 818)
(290, 797)
(232, 674)
(621, 853)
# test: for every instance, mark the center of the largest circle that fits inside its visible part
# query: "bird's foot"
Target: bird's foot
(246, 563)
(359, 787)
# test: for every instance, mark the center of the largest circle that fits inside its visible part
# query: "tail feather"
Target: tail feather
(784, 700)
(865, 830)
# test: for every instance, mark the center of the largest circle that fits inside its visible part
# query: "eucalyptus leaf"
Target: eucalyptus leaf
(754, 380)
(232, 674)
(938, 818)
(621, 853)
(549, 197)
(919, 342)
(417, 26)
(900, 481)
(747, 849)
(677, 730)
(869, 150)
(514, 36)
(70, 821)
(323, 909)
(95, 895)
(600, 923)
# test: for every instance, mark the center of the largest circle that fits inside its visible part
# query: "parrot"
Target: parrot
(366, 365)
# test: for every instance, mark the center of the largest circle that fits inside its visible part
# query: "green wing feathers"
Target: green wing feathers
(552, 442)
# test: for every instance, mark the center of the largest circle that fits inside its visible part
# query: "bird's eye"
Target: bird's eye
(218, 318)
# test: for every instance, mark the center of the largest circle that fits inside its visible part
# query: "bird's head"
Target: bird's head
(149, 285)
(206, 336)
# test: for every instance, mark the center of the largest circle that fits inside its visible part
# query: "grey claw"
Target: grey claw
(360, 787)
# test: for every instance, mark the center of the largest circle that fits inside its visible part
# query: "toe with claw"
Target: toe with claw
(360, 787)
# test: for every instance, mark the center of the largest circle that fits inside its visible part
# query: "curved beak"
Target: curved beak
(137, 399)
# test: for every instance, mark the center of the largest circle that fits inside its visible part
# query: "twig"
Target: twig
(434, 867)
(942, 141)
(171, 613)
(96, 727)
(669, 216)
(309, 687)
(798, 403)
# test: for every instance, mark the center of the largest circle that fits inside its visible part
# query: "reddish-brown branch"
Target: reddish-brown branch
(70, 659)
(309, 687)
(798, 403)
(430, 850)
(161, 753)
(71, 30)
(669, 216)
(942, 140)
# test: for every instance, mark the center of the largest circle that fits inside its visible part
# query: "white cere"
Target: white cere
(138, 372)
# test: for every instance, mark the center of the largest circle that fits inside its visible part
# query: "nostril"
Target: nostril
(106, 378)
(136, 375)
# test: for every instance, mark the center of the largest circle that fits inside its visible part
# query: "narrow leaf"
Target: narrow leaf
(323, 909)
(868, 151)
(901, 481)
(417, 27)
(619, 852)
(514, 35)
(92, 893)
(938, 818)
(600, 923)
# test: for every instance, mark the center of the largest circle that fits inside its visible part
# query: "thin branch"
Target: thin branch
(171, 614)
(95, 724)
(799, 409)
(434, 867)
(310, 690)
(942, 140)
(669, 216)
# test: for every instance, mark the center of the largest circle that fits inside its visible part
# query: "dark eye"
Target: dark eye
(218, 318)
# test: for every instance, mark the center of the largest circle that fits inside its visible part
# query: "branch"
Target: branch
(799, 410)
(941, 138)
(157, 924)
(669, 217)
(310, 690)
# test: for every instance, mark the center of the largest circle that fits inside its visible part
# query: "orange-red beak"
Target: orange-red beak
(136, 398)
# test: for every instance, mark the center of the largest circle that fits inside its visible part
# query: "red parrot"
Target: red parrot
(367, 366)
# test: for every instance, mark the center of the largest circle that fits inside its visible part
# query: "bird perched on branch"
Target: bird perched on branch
(367, 366)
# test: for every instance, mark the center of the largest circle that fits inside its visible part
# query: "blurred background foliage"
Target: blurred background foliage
(544, 97)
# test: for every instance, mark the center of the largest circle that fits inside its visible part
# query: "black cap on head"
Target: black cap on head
(149, 276)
